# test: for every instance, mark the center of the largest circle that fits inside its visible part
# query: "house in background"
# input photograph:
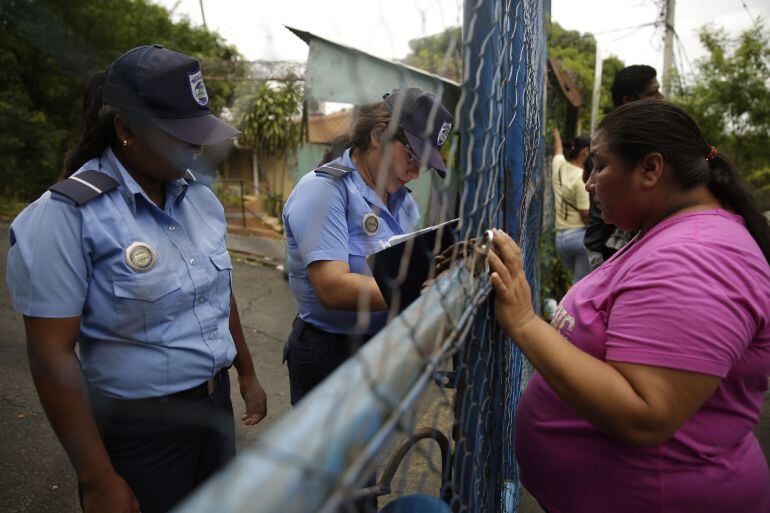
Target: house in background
(319, 132)
(267, 186)
(343, 75)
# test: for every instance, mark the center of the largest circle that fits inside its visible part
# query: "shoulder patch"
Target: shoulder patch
(85, 186)
(333, 169)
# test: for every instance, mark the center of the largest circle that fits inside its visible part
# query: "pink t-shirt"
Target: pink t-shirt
(692, 294)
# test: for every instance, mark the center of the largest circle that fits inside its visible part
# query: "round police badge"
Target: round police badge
(141, 257)
(371, 223)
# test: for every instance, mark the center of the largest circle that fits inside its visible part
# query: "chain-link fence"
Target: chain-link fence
(427, 405)
(502, 186)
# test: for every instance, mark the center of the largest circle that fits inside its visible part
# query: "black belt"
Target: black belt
(201, 391)
(205, 389)
(340, 337)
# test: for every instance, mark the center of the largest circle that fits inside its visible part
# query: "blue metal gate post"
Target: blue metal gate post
(476, 471)
(501, 168)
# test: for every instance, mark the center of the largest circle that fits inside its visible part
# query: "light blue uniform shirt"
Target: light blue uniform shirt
(323, 219)
(142, 334)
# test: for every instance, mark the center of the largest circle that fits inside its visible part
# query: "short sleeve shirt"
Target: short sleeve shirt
(324, 220)
(694, 295)
(569, 194)
(144, 333)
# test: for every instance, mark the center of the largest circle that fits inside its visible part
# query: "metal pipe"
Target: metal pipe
(383, 485)
(322, 451)
(243, 206)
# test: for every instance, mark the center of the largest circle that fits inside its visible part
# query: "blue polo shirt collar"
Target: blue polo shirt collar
(396, 199)
(176, 189)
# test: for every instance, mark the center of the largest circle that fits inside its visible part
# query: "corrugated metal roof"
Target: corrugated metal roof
(339, 73)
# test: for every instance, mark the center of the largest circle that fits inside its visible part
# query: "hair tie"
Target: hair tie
(712, 154)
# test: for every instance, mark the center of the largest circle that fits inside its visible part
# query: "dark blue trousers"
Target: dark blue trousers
(166, 447)
(313, 354)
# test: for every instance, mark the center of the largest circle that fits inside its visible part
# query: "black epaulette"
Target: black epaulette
(334, 169)
(84, 186)
(198, 177)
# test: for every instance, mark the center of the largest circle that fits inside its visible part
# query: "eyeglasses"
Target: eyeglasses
(411, 155)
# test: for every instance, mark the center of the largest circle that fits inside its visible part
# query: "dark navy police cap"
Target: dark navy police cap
(166, 88)
(424, 120)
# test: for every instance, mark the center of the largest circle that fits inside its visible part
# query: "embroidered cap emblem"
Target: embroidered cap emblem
(443, 133)
(141, 257)
(371, 223)
(198, 88)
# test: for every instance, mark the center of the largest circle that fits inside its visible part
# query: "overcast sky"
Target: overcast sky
(384, 27)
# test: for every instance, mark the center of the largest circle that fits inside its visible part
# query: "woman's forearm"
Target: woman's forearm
(63, 394)
(557, 145)
(243, 363)
(339, 289)
(352, 291)
(593, 388)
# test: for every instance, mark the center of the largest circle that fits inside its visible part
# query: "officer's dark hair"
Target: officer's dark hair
(368, 118)
(637, 129)
(97, 128)
(335, 149)
(575, 145)
(631, 82)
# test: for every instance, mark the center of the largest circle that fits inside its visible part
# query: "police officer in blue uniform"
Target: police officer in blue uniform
(340, 213)
(126, 259)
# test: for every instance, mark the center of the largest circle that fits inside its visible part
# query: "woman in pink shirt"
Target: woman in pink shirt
(652, 374)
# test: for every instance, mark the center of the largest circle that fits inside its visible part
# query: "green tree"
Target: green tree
(268, 116)
(48, 49)
(440, 54)
(268, 113)
(577, 53)
(729, 96)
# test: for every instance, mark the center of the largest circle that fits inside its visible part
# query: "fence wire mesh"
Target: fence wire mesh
(428, 404)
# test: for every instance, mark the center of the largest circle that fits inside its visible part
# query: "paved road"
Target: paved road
(35, 475)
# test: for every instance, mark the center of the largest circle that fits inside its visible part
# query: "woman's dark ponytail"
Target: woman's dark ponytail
(732, 192)
(575, 145)
(97, 129)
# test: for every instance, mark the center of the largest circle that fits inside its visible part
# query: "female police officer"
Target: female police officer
(338, 214)
(127, 258)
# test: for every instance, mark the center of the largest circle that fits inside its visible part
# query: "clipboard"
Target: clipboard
(400, 281)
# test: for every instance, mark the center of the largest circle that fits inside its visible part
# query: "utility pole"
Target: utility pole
(597, 88)
(668, 47)
(203, 15)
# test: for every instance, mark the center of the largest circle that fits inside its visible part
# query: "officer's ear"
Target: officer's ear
(122, 130)
(377, 134)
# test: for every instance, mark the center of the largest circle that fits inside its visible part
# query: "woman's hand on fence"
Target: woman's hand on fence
(513, 302)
